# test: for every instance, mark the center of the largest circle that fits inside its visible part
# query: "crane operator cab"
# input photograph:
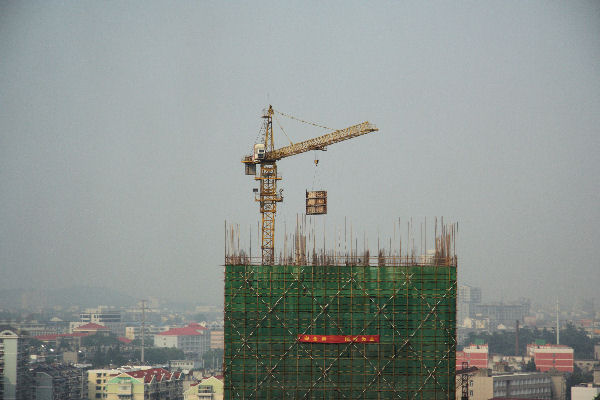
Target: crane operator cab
(259, 153)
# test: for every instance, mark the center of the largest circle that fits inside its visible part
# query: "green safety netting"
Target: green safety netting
(411, 307)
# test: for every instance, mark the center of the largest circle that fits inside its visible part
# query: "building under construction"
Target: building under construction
(339, 325)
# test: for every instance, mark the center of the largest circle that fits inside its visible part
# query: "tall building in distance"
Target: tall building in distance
(15, 382)
(105, 316)
(341, 325)
(467, 297)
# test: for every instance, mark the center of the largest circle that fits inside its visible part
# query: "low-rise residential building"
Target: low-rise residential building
(551, 356)
(146, 384)
(92, 328)
(184, 365)
(585, 391)
(97, 380)
(192, 339)
(476, 355)
(483, 385)
(210, 388)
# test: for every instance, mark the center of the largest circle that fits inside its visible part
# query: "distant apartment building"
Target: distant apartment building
(135, 332)
(100, 315)
(551, 356)
(500, 313)
(217, 339)
(531, 385)
(192, 339)
(70, 339)
(467, 296)
(146, 384)
(35, 328)
(108, 317)
(184, 365)
(92, 328)
(15, 380)
(57, 381)
(476, 355)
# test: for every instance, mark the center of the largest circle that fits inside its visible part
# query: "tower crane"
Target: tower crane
(266, 156)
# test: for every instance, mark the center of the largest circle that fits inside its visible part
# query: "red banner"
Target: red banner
(338, 338)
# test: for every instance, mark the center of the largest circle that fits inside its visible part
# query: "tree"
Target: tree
(576, 338)
(159, 355)
(530, 366)
(99, 340)
(213, 359)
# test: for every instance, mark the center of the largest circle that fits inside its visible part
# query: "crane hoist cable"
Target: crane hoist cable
(316, 175)
(301, 120)
(283, 130)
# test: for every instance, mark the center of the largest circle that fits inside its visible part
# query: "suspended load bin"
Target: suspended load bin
(316, 202)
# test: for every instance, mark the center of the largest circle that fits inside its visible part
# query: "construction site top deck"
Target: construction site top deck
(299, 247)
(347, 260)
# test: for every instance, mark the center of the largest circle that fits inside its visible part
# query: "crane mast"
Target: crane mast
(267, 156)
(268, 197)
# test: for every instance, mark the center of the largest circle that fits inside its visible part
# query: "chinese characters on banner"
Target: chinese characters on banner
(338, 338)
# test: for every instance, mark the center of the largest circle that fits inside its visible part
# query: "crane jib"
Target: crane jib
(320, 142)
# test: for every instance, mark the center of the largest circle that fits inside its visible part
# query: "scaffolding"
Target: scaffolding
(279, 320)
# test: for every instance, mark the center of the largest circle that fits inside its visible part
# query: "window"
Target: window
(98, 395)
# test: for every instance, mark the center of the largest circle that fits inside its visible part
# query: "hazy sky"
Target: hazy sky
(122, 126)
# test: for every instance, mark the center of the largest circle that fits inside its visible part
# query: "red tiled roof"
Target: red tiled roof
(159, 374)
(192, 329)
(123, 339)
(91, 326)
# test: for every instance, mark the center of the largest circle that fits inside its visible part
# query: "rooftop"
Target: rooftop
(192, 329)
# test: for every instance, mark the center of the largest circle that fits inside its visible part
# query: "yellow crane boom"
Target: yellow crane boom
(265, 155)
(319, 143)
